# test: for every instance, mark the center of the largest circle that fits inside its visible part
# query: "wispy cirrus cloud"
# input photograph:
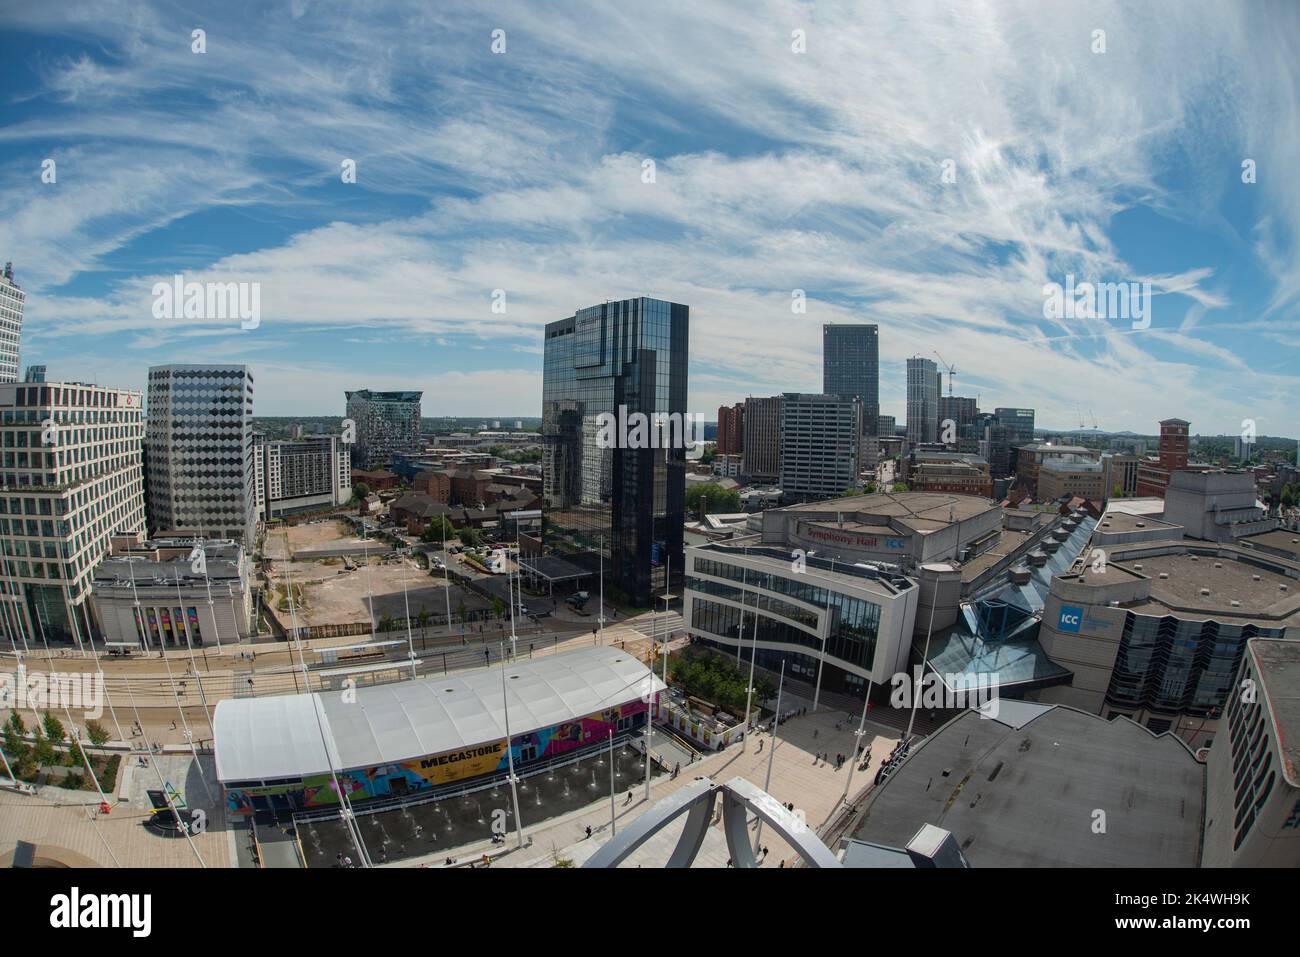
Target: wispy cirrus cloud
(774, 171)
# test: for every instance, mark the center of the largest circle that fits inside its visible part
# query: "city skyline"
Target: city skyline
(940, 213)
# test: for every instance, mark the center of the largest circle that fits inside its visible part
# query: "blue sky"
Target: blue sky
(774, 171)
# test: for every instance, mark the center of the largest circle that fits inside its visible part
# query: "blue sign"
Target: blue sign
(1071, 618)
(654, 553)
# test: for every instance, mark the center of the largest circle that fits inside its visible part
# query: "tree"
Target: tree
(360, 490)
(423, 618)
(76, 756)
(439, 530)
(470, 537)
(899, 487)
(43, 751)
(97, 733)
(53, 728)
(14, 745)
(498, 607)
(386, 623)
(460, 609)
(709, 497)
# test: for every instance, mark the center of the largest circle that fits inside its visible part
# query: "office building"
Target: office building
(1063, 479)
(71, 478)
(836, 626)
(922, 401)
(385, 423)
(762, 455)
(820, 439)
(34, 373)
(1017, 430)
(12, 300)
(304, 475)
(958, 410)
(625, 359)
(731, 429)
(149, 593)
(851, 366)
(199, 472)
(1124, 474)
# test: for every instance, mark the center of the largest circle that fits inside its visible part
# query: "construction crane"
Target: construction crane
(952, 371)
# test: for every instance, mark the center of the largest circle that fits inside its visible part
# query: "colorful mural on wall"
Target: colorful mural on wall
(409, 777)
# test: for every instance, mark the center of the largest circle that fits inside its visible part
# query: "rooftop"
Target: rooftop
(885, 574)
(1022, 790)
(1263, 595)
(1280, 540)
(1119, 522)
(279, 737)
(919, 511)
(1277, 662)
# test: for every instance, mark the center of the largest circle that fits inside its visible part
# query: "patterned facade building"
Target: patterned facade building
(200, 475)
(385, 423)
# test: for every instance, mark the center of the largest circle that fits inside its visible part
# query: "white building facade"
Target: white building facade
(837, 626)
(12, 300)
(70, 478)
(312, 473)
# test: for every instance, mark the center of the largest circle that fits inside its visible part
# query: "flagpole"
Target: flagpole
(771, 755)
(862, 730)
(510, 751)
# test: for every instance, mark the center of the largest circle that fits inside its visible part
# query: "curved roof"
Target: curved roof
(280, 737)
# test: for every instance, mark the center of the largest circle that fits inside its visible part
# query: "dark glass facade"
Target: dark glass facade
(632, 354)
(1175, 666)
(851, 366)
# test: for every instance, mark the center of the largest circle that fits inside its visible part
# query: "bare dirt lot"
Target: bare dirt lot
(311, 535)
(329, 594)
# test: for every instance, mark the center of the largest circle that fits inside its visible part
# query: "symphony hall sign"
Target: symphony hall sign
(847, 539)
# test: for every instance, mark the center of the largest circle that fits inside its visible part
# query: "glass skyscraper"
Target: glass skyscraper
(851, 366)
(632, 354)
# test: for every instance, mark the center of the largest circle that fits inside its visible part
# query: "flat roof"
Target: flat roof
(1137, 506)
(1115, 521)
(886, 513)
(280, 737)
(1280, 539)
(1225, 574)
(1025, 796)
(1277, 661)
